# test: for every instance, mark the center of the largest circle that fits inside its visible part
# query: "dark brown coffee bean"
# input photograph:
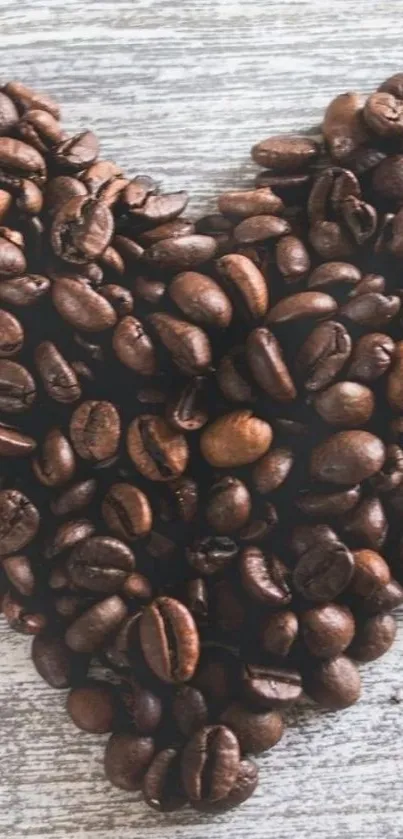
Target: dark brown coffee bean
(127, 758)
(324, 504)
(284, 153)
(119, 297)
(19, 572)
(323, 355)
(387, 180)
(292, 259)
(228, 506)
(334, 684)
(17, 387)
(185, 492)
(127, 511)
(325, 566)
(117, 650)
(162, 785)
(371, 310)
(370, 282)
(169, 640)
(81, 230)
(272, 470)
(89, 631)
(8, 114)
(255, 731)
(260, 228)
(26, 98)
(76, 153)
(278, 633)
(265, 358)
(373, 638)
(229, 606)
(343, 127)
(81, 306)
(235, 439)
(11, 335)
(245, 284)
(264, 577)
(330, 240)
(21, 619)
(232, 376)
(58, 377)
(271, 687)
(391, 475)
(201, 299)
(327, 630)
(22, 160)
(394, 383)
(67, 535)
(24, 291)
(158, 452)
(59, 190)
(366, 525)
(348, 457)
(143, 707)
(189, 709)
(55, 662)
(55, 463)
(95, 430)
(40, 129)
(161, 208)
(187, 410)
(372, 357)
(136, 585)
(196, 599)
(304, 304)
(15, 444)
(101, 564)
(188, 345)
(210, 763)
(181, 254)
(383, 599)
(92, 707)
(211, 554)
(345, 404)
(244, 786)
(333, 274)
(19, 521)
(393, 85)
(74, 498)
(294, 186)
(252, 202)
(331, 188)
(133, 346)
(168, 230)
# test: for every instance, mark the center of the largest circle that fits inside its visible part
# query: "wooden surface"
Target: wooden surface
(181, 90)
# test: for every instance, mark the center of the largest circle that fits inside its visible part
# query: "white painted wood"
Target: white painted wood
(181, 90)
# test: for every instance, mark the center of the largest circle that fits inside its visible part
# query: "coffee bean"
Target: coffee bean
(334, 274)
(162, 785)
(74, 498)
(169, 640)
(304, 304)
(58, 377)
(325, 566)
(187, 410)
(345, 404)
(17, 387)
(127, 511)
(387, 180)
(201, 299)
(25, 98)
(228, 506)
(323, 504)
(286, 153)
(265, 358)
(264, 577)
(24, 291)
(89, 631)
(181, 254)
(127, 758)
(55, 662)
(235, 439)
(168, 230)
(371, 358)
(272, 470)
(18, 571)
(271, 687)
(373, 638)
(370, 282)
(15, 444)
(134, 347)
(252, 202)
(92, 707)
(391, 475)
(260, 228)
(77, 152)
(40, 129)
(246, 285)
(384, 599)
(196, 600)
(187, 344)
(371, 310)
(19, 521)
(323, 355)
(366, 525)
(55, 464)
(232, 376)
(211, 553)
(278, 633)
(158, 452)
(67, 535)
(101, 564)
(20, 159)
(343, 127)
(292, 259)
(20, 618)
(327, 630)
(81, 230)
(82, 307)
(255, 731)
(95, 430)
(189, 710)
(334, 684)
(210, 763)
(11, 335)
(8, 114)
(348, 457)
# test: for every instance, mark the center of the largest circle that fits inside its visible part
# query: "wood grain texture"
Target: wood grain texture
(181, 90)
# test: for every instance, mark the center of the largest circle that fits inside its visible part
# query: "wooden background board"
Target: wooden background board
(181, 90)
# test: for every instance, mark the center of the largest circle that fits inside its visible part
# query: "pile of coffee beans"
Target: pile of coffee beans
(201, 440)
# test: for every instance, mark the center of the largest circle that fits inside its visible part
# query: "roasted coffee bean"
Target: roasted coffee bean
(19, 521)
(81, 306)
(186, 411)
(345, 404)
(201, 299)
(11, 335)
(366, 525)
(58, 377)
(284, 153)
(272, 470)
(334, 274)
(391, 475)
(134, 347)
(8, 114)
(24, 291)
(74, 498)
(81, 230)
(127, 511)
(324, 566)
(252, 202)
(127, 758)
(189, 709)
(323, 504)
(181, 254)
(327, 630)
(255, 731)
(25, 98)
(383, 112)
(373, 638)
(387, 180)
(265, 577)
(334, 684)
(235, 439)
(55, 662)
(22, 619)
(67, 535)
(55, 463)
(271, 687)
(292, 259)
(92, 707)
(15, 444)
(394, 383)
(228, 506)
(383, 599)
(371, 310)
(246, 285)
(168, 230)
(17, 387)
(162, 785)
(100, 564)
(95, 430)
(60, 189)
(370, 282)
(304, 304)
(40, 129)
(232, 376)
(19, 572)
(187, 344)
(279, 632)
(144, 708)
(343, 126)
(210, 763)
(77, 152)
(160, 208)
(89, 631)
(169, 640)
(260, 228)
(371, 358)
(348, 457)
(323, 355)
(211, 553)
(197, 600)
(265, 359)
(158, 452)
(22, 160)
